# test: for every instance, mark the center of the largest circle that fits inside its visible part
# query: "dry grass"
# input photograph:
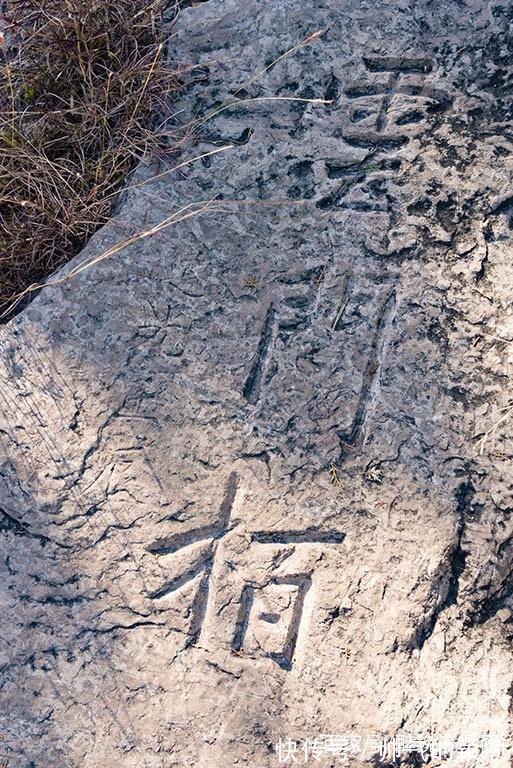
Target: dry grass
(80, 93)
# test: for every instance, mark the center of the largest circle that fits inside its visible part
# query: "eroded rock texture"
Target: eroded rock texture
(256, 474)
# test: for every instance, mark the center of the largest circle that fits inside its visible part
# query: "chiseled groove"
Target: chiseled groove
(354, 438)
(309, 536)
(177, 541)
(230, 492)
(199, 605)
(174, 584)
(246, 601)
(303, 582)
(253, 385)
(284, 659)
(397, 64)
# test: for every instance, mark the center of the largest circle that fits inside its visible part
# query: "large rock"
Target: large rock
(256, 475)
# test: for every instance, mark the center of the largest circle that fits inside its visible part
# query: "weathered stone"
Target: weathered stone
(256, 481)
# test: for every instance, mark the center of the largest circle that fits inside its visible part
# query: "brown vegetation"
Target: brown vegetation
(81, 84)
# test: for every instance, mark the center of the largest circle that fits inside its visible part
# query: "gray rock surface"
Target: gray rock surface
(256, 474)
